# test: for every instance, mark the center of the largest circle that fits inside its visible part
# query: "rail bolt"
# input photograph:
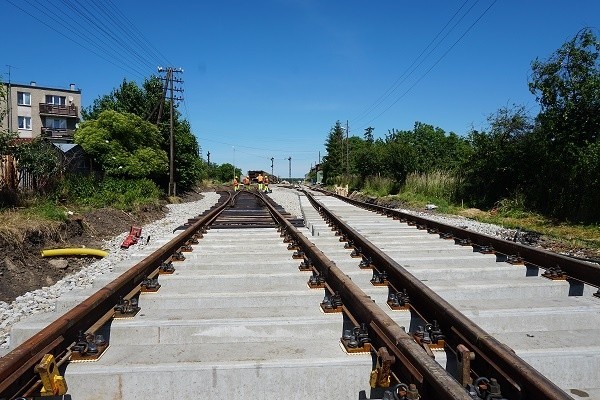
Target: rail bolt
(347, 334)
(150, 285)
(356, 253)
(463, 242)
(365, 263)
(379, 278)
(316, 281)
(435, 332)
(177, 256)
(166, 267)
(331, 303)
(514, 259)
(298, 254)
(305, 265)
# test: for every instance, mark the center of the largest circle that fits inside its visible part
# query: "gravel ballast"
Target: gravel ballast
(44, 299)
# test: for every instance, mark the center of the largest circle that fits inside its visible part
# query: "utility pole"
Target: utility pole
(290, 170)
(347, 152)
(208, 155)
(272, 165)
(169, 81)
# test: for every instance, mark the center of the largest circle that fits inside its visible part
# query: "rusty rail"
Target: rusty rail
(415, 364)
(493, 357)
(17, 374)
(579, 270)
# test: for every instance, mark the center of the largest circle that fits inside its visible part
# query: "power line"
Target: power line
(406, 73)
(85, 13)
(107, 57)
(139, 36)
(100, 35)
(115, 24)
(434, 64)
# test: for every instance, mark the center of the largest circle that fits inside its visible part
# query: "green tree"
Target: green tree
(432, 148)
(368, 135)
(398, 159)
(130, 98)
(144, 102)
(40, 160)
(333, 161)
(224, 173)
(567, 87)
(124, 145)
(497, 166)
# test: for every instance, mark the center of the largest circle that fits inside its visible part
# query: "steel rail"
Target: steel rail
(583, 271)
(432, 380)
(17, 367)
(525, 381)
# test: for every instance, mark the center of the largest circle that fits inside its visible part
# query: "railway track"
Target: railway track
(224, 312)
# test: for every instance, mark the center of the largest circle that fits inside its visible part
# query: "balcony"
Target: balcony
(62, 110)
(57, 133)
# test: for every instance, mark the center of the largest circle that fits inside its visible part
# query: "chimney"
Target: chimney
(72, 86)
(32, 83)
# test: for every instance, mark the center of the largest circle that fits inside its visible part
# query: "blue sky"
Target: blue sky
(269, 78)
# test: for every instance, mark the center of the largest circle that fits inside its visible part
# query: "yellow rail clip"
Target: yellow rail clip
(53, 383)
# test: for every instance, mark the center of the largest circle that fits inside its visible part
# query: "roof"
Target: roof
(20, 85)
(65, 147)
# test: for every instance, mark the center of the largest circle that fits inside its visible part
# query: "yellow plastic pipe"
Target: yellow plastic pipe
(77, 251)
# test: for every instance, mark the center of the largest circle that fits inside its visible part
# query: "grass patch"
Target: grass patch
(122, 194)
(438, 188)
(379, 187)
(577, 235)
(47, 209)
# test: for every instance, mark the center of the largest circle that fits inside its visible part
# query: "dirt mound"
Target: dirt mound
(22, 269)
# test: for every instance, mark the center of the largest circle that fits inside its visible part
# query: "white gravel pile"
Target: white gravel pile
(44, 299)
(289, 200)
(465, 223)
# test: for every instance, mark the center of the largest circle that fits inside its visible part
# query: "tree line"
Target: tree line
(549, 162)
(126, 136)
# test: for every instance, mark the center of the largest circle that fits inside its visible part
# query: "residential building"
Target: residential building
(36, 111)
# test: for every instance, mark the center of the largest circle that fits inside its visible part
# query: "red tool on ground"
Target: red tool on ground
(134, 235)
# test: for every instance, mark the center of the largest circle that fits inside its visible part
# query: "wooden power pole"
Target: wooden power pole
(169, 80)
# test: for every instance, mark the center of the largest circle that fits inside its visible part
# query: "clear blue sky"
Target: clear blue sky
(269, 78)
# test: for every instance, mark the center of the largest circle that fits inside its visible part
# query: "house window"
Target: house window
(56, 100)
(56, 123)
(24, 98)
(25, 123)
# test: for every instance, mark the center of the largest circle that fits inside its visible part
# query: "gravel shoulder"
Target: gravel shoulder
(86, 270)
